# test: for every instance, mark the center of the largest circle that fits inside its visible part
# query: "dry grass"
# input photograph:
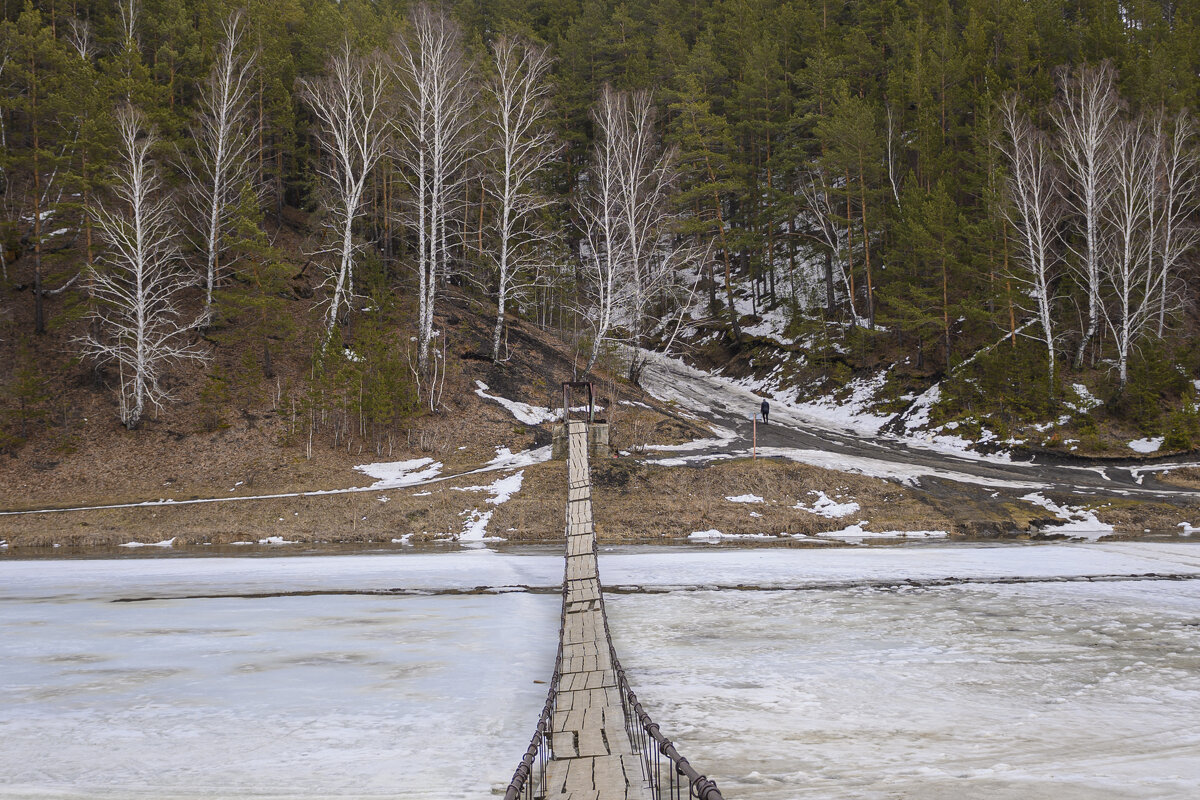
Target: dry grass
(635, 501)
(1188, 478)
(424, 513)
(1137, 517)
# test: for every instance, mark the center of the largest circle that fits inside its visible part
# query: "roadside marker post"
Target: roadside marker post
(754, 445)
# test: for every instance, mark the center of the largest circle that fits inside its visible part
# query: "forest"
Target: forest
(998, 196)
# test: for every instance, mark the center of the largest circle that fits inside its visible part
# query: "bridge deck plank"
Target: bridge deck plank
(593, 756)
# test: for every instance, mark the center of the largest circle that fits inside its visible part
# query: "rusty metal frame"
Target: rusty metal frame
(567, 387)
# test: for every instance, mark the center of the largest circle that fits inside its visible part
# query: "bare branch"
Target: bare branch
(1034, 210)
(225, 149)
(523, 148)
(348, 104)
(435, 131)
(1085, 115)
(135, 292)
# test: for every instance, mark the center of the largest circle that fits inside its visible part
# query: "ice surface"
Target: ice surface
(277, 697)
(1044, 690)
(1038, 692)
(858, 533)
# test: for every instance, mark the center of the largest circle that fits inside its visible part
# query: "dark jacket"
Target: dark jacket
(765, 408)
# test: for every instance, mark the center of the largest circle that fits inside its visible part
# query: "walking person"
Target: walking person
(765, 408)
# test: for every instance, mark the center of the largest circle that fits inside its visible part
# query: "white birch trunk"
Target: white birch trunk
(434, 118)
(225, 149)
(522, 150)
(1034, 211)
(1176, 193)
(348, 104)
(1085, 115)
(1133, 305)
(143, 274)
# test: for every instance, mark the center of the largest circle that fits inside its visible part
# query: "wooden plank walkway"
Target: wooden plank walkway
(593, 758)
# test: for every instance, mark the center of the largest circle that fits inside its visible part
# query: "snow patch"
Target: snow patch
(827, 507)
(685, 460)
(1081, 522)
(1087, 400)
(501, 490)
(164, 543)
(507, 459)
(396, 474)
(529, 414)
(1186, 529)
(475, 528)
(906, 473)
(773, 323)
(850, 413)
(917, 414)
(724, 438)
(714, 535)
(858, 533)
(1149, 445)
(746, 498)
(276, 540)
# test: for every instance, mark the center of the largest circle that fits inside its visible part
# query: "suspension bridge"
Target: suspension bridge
(593, 740)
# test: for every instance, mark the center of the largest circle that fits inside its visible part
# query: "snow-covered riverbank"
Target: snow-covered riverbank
(985, 689)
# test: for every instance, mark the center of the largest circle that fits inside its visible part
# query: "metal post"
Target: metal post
(755, 425)
(567, 387)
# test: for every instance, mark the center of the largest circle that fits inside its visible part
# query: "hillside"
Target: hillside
(246, 250)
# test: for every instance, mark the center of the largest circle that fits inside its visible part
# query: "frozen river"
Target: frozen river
(859, 673)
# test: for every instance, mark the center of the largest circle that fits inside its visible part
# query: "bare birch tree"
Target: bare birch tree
(818, 208)
(1034, 211)
(1130, 268)
(1085, 115)
(1176, 192)
(604, 248)
(5, 187)
(130, 11)
(633, 256)
(137, 289)
(433, 123)
(348, 104)
(79, 37)
(523, 148)
(224, 149)
(647, 179)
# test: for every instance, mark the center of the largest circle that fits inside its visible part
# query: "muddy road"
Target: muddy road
(970, 485)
